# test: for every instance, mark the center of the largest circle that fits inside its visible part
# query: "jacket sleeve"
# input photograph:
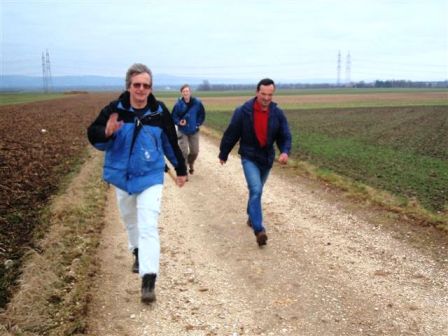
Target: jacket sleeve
(170, 145)
(96, 131)
(231, 135)
(283, 140)
(201, 114)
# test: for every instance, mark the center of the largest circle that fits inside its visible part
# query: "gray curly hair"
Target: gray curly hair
(136, 69)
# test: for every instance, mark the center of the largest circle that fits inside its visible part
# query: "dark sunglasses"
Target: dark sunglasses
(139, 85)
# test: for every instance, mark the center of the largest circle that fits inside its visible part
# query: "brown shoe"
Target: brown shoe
(261, 238)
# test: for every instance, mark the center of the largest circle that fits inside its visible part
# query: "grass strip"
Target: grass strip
(56, 276)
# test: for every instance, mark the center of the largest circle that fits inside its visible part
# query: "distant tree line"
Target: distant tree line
(409, 84)
(207, 86)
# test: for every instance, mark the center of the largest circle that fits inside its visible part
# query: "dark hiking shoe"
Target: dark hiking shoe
(191, 170)
(135, 264)
(261, 238)
(148, 285)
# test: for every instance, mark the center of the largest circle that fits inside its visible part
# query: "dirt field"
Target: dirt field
(39, 144)
(328, 268)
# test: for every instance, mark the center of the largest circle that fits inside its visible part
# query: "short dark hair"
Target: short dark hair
(184, 86)
(265, 81)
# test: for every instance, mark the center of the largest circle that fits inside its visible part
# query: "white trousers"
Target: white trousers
(140, 214)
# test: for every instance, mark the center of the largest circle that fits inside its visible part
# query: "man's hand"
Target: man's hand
(112, 124)
(283, 158)
(180, 181)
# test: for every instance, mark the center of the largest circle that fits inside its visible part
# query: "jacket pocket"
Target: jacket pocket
(117, 154)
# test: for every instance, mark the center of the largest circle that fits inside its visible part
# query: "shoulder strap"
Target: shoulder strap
(140, 121)
(186, 110)
(137, 128)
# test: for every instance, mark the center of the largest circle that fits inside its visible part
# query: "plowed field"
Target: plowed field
(39, 144)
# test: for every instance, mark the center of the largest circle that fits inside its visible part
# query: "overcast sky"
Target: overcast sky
(290, 41)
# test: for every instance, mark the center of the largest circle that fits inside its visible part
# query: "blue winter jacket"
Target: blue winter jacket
(134, 158)
(241, 128)
(193, 113)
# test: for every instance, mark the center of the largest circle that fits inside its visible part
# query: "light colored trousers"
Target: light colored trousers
(140, 214)
(189, 145)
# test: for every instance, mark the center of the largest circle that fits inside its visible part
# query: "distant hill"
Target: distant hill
(170, 82)
(108, 83)
(18, 82)
(96, 83)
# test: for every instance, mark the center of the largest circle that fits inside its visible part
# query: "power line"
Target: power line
(348, 66)
(338, 80)
(50, 79)
(46, 72)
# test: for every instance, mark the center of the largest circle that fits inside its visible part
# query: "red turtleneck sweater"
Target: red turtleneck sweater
(261, 123)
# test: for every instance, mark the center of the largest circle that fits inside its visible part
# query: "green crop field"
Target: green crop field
(399, 144)
(401, 150)
(19, 98)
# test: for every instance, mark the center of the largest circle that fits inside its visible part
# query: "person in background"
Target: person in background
(257, 125)
(188, 114)
(136, 132)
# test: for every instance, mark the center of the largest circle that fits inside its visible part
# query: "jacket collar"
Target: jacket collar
(249, 105)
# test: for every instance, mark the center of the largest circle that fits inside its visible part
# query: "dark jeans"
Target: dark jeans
(256, 176)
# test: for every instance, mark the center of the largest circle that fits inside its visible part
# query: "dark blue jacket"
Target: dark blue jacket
(134, 159)
(241, 128)
(193, 113)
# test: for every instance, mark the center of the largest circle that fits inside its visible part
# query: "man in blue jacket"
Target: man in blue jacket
(188, 114)
(257, 125)
(137, 132)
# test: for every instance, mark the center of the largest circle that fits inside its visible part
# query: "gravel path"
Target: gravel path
(329, 268)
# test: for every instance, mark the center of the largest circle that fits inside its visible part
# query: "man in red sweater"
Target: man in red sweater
(257, 125)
